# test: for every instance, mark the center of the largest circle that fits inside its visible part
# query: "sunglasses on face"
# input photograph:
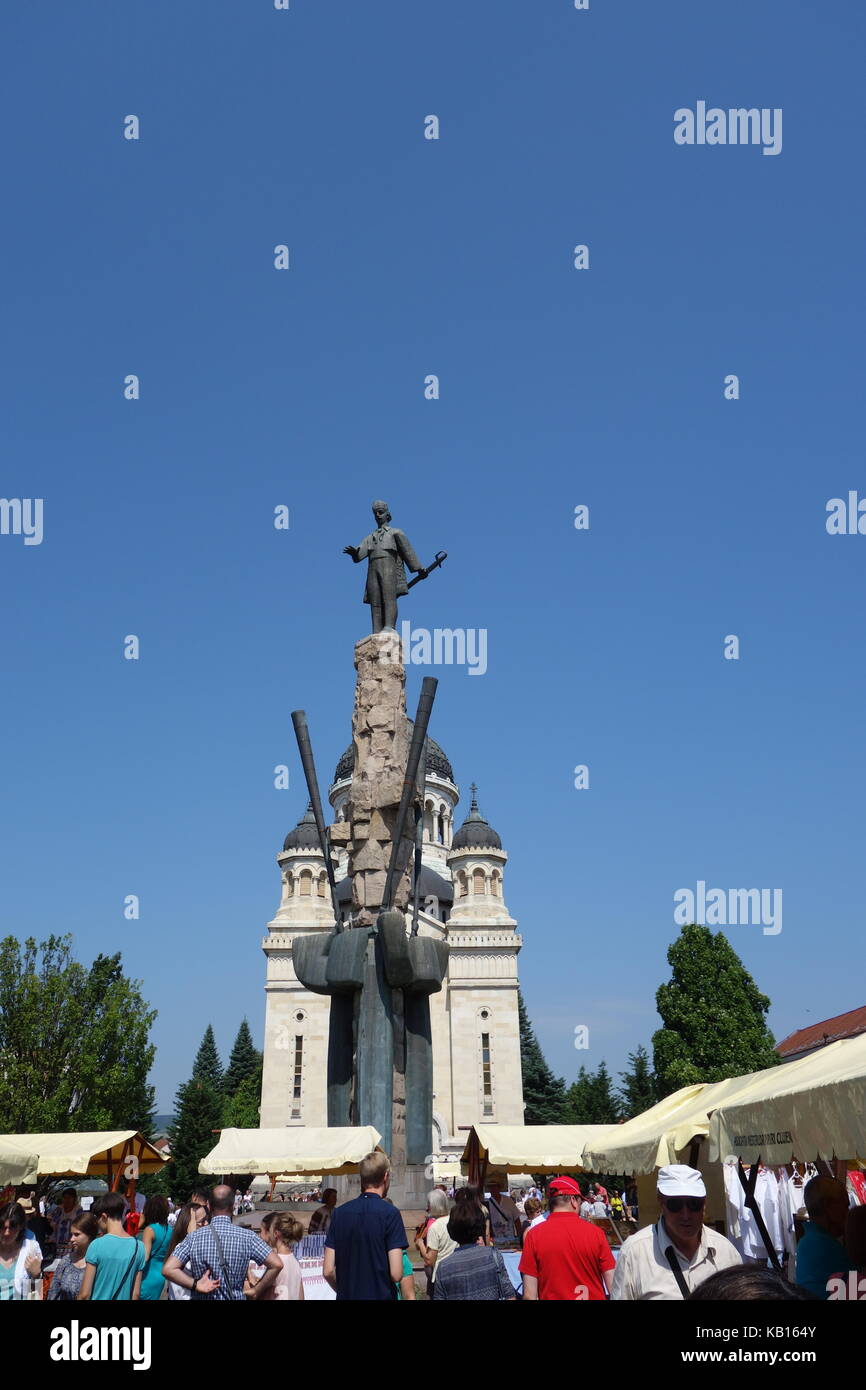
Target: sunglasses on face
(675, 1204)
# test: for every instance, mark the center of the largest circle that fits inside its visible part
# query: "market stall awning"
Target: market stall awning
(446, 1169)
(664, 1133)
(89, 1154)
(533, 1148)
(811, 1108)
(17, 1166)
(290, 1150)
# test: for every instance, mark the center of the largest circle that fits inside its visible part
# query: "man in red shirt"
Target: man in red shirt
(565, 1257)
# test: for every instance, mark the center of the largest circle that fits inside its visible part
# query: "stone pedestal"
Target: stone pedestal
(381, 733)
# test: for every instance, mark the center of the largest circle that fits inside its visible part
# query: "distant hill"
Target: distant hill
(161, 1123)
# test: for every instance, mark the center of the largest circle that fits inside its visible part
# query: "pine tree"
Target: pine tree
(713, 1013)
(207, 1065)
(638, 1090)
(198, 1118)
(242, 1109)
(591, 1100)
(245, 1062)
(543, 1093)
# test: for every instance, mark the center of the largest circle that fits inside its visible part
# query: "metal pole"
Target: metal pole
(419, 734)
(305, 748)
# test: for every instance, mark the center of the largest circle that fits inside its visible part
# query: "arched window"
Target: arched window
(440, 829)
(461, 884)
(306, 883)
(428, 820)
(496, 884)
(290, 884)
(478, 881)
(321, 885)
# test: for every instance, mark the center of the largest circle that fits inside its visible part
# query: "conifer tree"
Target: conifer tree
(638, 1090)
(207, 1065)
(245, 1061)
(543, 1093)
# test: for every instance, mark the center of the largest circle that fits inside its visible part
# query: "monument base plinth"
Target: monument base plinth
(409, 1190)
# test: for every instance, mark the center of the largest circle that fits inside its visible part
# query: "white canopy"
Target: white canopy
(94, 1152)
(815, 1107)
(17, 1166)
(661, 1134)
(290, 1150)
(534, 1148)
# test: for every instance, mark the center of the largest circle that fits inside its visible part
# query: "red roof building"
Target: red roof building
(817, 1035)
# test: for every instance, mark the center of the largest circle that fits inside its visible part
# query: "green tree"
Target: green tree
(207, 1065)
(245, 1062)
(638, 1090)
(591, 1100)
(713, 1015)
(242, 1109)
(543, 1093)
(75, 1048)
(198, 1118)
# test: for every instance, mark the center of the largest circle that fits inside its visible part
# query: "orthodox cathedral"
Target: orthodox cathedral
(474, 1018)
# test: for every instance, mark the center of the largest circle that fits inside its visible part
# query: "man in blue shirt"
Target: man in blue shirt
(366, 1239)
(820, 1253)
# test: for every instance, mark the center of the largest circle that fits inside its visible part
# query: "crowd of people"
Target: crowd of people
(473, 1244)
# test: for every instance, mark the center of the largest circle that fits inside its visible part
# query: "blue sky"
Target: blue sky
(558, 387)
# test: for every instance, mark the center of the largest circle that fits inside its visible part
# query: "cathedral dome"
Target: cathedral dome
(437, 762)
(476, 832)
(305, 835)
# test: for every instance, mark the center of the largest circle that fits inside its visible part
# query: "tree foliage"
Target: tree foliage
(207, 1065)
(638, 1090)
(591, 1099)
(245, 1062)
(75, 1048)
(198, 1118)
(543, 1093)
(242, 1109)
(713, 1015)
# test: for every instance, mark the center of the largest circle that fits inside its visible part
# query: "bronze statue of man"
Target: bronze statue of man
(388, 555)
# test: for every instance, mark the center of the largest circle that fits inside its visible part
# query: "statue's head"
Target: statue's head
(381, 513)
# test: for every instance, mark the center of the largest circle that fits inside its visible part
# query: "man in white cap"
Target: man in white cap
(679, 1252)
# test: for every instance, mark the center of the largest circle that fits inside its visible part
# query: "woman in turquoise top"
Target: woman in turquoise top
(155, 1236)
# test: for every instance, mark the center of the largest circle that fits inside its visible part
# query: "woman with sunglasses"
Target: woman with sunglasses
(671, 1258)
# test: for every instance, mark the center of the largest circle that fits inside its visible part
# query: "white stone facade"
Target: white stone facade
(474, 1018)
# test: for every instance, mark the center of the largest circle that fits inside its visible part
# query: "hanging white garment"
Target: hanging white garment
(786, 1215)
(767, 1198)
(733, 1203)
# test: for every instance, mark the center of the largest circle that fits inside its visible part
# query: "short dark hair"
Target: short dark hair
(466, 1223)
(109, 1205)
(745, 1282)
